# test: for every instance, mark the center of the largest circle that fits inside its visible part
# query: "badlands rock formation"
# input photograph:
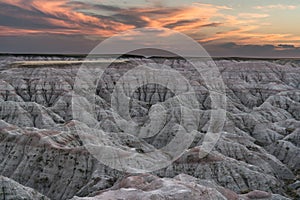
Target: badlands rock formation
(11, 189)
(43, 155)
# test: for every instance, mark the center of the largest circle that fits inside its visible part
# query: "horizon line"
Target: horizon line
(137, 55)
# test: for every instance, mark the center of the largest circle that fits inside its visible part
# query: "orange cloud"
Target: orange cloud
(184, 19)
(247, 35)
(8, 31)
(60, 14)
(245, 29)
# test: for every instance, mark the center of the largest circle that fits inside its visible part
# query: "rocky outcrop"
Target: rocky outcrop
(152, 187)
(146, 187)
(55, 166)
(12, 190)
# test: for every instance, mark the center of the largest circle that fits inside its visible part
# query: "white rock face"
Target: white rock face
(257, 156)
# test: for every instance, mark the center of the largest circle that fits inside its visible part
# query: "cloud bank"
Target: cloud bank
(86, 23)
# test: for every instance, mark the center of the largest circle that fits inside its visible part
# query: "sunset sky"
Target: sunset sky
(254, 28)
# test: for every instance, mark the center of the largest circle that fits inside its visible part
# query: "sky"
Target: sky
(256, 28)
